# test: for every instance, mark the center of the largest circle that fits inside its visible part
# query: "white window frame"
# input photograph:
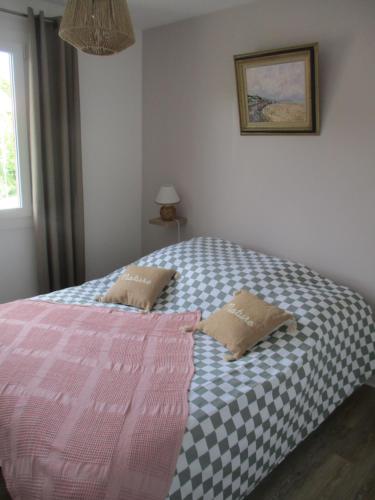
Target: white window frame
(18, 51)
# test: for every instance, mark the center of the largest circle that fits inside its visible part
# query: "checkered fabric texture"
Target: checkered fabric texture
(246, 416)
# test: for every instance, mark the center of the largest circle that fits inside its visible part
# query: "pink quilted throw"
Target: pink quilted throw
(93, 401)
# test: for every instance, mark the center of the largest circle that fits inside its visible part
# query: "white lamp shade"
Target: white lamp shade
(167, 196)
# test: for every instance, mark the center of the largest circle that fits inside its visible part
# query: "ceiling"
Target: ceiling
(150, 13)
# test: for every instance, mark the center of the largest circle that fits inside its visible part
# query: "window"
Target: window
(14, 163)
(9, 171)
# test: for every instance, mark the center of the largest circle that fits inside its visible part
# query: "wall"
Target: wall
(309, 199)
(111, 108)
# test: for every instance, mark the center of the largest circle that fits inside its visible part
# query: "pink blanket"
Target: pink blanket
(93, 401)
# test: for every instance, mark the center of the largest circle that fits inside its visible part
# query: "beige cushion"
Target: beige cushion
(139, 287)
(243, 322)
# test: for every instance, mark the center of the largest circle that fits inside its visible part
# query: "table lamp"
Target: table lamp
(167, 198)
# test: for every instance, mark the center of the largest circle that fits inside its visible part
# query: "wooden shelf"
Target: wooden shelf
(160, 222)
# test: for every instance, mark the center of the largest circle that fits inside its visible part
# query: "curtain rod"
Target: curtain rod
(21, 14)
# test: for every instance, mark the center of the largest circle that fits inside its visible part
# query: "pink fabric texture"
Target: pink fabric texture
(93, 401)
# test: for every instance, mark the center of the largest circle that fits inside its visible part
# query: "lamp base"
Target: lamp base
(168, 212)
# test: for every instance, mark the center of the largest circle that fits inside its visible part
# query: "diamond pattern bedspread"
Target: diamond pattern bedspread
(246, 416)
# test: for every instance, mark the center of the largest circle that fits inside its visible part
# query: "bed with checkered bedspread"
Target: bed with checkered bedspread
(246, 416)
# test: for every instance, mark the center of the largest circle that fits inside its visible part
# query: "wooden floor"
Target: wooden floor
(337, 462)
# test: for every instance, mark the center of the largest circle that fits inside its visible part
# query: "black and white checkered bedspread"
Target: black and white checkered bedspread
(246, 416)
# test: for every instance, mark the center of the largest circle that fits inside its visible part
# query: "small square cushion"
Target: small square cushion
(139, 287)
(243, 322)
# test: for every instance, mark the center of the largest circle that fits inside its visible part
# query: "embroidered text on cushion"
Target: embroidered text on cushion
(243, 322)
(139, 287)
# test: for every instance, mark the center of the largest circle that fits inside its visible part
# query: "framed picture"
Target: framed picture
(278, 91)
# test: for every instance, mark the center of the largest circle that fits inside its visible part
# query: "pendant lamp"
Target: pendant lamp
(100, 27)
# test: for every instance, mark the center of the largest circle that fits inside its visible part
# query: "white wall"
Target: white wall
(17, 260)
(111, 107)
(309, 199)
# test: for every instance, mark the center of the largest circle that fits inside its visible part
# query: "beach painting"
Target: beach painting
(278, 91)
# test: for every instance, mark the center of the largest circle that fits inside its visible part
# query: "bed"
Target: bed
(246, 416)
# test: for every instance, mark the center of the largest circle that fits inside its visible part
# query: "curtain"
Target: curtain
(56, 159)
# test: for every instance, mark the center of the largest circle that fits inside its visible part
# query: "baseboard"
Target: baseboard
(371, 382)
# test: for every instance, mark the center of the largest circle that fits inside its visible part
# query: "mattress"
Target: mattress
(246, 416)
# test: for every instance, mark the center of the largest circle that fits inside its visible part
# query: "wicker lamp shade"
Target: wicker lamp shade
(100, 27)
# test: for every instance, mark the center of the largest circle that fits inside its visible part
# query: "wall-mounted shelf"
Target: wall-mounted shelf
(160, 222)
(178, 222)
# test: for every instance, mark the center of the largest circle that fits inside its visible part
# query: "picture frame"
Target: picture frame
(278, 91)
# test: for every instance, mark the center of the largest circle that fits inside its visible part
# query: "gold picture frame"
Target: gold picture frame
(278, 91)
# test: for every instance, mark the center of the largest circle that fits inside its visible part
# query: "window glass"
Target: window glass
(9, 159)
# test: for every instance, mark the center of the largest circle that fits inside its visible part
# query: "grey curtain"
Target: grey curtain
(56, 159)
